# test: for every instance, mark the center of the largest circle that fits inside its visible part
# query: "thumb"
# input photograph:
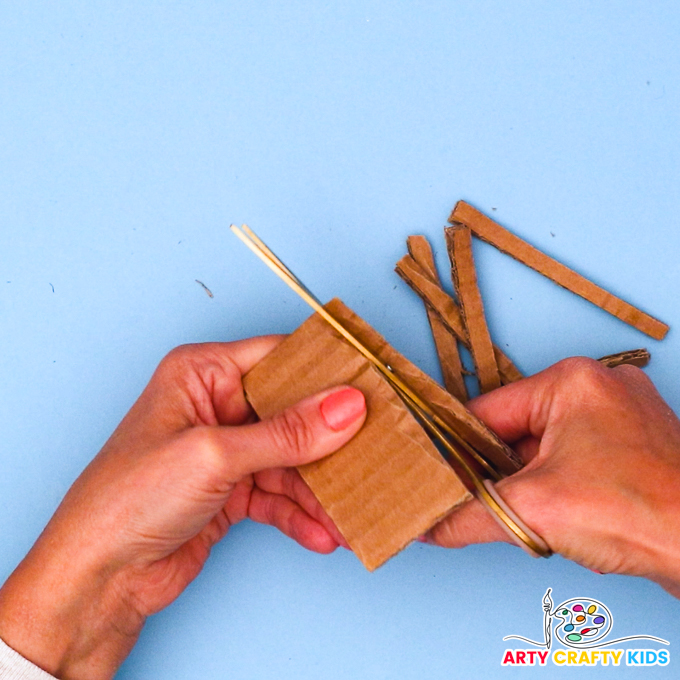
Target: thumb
(307, 431)
(467, 524)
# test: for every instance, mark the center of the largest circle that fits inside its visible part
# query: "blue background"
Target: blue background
(133, 133)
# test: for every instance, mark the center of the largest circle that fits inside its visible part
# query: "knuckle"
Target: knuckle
(206, 453)
(291, 433)
(442, 534)
(632, 373)
(580, 365)
(178, 359)
(587, 376)
(263, 511)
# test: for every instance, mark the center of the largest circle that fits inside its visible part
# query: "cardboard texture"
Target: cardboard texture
(492, 232)
(389, 484)
(632, 357)
(459, 246)
(445, 342)
(448, 311)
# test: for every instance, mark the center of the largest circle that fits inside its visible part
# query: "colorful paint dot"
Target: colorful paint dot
(578, 607)
(592, 609)
(565, 612)
(584, 631)
(580, 619)
(569, 627)
(598, 620)
(574, 637)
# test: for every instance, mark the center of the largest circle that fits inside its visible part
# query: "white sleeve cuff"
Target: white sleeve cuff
(13, 666)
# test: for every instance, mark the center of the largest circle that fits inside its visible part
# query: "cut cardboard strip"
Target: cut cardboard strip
(459, 246)
(499, 237)
(507, 369)
(445, 342)
(389, 484)
(632, 357)
(448, 311)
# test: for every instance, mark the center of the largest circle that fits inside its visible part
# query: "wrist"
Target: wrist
(657, 527)
(67, 617)
(666, 550)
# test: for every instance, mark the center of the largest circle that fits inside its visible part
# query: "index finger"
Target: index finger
(517, 410)
(245, 354)
(201, 384)
(523, 409)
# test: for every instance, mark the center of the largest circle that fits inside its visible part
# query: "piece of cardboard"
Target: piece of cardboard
(492, 232)
(389, 484)
(446, 343)
(632, 357)
(459, 246)
(448, 311)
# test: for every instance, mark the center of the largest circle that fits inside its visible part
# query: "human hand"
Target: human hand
(185, 464)
(600, 485)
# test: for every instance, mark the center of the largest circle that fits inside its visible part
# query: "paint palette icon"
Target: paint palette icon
(582, 622)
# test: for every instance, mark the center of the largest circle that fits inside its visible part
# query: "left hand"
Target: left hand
(187, 462)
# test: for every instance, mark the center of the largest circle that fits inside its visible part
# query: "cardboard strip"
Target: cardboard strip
(445, 342)
(508, 371)
(389, 484)
(459, 245)
(491, 232)
(448, 311)
(632, 357)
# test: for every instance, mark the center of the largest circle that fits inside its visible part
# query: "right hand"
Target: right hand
(602, 474)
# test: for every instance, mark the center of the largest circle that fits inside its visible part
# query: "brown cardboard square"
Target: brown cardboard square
(389, 484)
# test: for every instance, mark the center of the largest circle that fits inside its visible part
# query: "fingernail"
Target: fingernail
(596, 571)
(340, 409)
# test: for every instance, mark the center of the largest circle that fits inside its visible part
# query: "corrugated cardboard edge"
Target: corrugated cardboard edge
(631, 357)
